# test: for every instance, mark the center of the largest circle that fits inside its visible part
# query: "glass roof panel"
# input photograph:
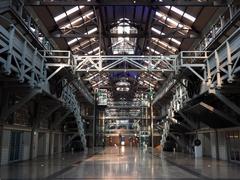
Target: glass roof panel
(180, 12)
(68, 12)
(123, 45)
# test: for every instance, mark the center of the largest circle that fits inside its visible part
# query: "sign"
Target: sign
(102, 97)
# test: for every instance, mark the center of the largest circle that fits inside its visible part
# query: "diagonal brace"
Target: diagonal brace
(187, 119)
(60, 120)
(228, 102)
(219, 113)
(18, 105)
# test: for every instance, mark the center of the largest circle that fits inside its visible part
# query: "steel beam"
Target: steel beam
(70, 140)
(113, 35)
(219, 113)
(48, 114)
(61, 119)
(18, 105)
(217, 3)
(182, 144)
(227, 102)
(124, 107)
(129, 117)
(193, 126)
(185, 126)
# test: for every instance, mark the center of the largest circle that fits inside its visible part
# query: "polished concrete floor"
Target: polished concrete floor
(124, 163)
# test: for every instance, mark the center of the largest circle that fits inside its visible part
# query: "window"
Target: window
(76, 20)
(162, 33)
(68, 12)
(123, 45)
(172, 23)
(180, 12)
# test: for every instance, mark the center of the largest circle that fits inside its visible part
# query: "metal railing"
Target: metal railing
(17, 8)
(20, 59)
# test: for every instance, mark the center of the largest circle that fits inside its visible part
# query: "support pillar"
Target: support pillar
(94, 121)
(151, 117)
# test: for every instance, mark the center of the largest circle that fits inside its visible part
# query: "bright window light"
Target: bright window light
(175, 41)
(164, 45)
(148, 83)
(122, 45)
(188, 16)
(77, 20)
(94, 50)
(162, 33)
(157, 31)
(68, 12)
(152, 50)
(180, 12)
(73, 41)
(175, 23)
(73, 10)
(92, 31)
(59, 17)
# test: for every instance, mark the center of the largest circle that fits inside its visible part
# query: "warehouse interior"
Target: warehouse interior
(130, 89)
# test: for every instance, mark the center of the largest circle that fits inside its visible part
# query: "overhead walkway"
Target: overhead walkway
(191, 74)
(200, 75)
(22, 61)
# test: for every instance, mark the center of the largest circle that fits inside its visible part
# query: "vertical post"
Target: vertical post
(229, 59)
(219, 81)
(230, 11)
(146, 117)
(222, 21)
(151, 117)
(94, 120)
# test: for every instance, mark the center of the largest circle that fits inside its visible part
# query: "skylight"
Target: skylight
(123, 45)
(180, 12)
(157, 31)
(75, 39)
(175, 41)
(164, 45)
(162, 33)
(172, 23)
(68, 12)
(75, 21)
(92, 31)
(94, 50)
(152, 50)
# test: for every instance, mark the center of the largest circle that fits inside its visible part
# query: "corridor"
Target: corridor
(123, 163)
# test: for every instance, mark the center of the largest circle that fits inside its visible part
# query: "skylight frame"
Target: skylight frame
(181, 13)
(164, 45)
(172, 22)
(78, 19)
(177, 42)
(67, 13)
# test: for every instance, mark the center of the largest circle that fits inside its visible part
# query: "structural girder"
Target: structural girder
(126, 3)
